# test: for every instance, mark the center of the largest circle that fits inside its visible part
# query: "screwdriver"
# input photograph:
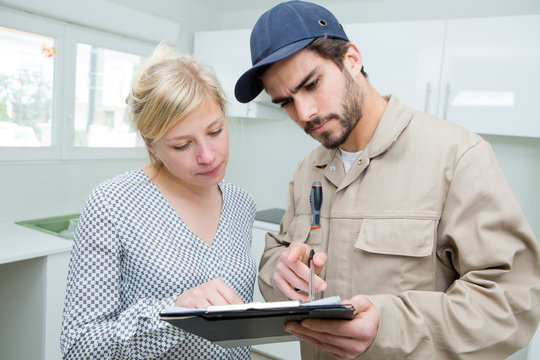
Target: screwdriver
(315, 199)
(311, 294)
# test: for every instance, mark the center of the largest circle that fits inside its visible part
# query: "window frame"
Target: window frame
(66, 37)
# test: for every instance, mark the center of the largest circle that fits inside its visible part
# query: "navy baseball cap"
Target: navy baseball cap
(280, 32)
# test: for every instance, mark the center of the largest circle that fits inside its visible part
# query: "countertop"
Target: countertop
(21, 243)
(272, 216)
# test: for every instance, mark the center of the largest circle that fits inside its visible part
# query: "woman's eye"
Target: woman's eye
(216, 132)
(181, 147)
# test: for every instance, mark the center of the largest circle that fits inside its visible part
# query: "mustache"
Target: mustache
(317, 121)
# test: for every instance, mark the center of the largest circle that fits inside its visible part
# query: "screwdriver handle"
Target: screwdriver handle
(315, 199)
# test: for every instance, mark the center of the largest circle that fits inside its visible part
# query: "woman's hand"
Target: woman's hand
(213, 292)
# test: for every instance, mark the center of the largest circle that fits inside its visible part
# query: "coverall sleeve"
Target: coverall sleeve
(493, 307)
(96, 324)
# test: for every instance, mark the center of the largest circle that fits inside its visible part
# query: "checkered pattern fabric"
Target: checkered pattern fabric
(132, 255)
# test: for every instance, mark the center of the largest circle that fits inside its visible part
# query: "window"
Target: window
(103, 81)
(63, 89)
(26, 85)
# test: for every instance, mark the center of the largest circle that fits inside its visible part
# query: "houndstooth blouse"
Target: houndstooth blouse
(132, 255)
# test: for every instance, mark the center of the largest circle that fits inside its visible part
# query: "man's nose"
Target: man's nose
(306, 109)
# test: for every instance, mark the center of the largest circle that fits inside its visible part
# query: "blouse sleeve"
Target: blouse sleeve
(96, 322)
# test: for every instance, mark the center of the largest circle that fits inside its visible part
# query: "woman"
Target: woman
(172, 233)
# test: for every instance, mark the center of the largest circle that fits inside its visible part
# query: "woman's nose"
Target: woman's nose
(205, 154)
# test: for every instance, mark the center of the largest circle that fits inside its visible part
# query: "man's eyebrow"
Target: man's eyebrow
(304, 80)
(298, 86)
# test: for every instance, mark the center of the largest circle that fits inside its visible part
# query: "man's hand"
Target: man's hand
(213, 292)
(292, 271)
(343, 339)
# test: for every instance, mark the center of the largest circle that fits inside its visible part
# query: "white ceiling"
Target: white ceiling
(238, 5)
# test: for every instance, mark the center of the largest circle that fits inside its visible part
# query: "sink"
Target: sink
(62, 226)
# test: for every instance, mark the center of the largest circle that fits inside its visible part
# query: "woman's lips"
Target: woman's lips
(212, 172)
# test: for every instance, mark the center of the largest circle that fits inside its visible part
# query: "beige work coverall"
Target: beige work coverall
(424, 224)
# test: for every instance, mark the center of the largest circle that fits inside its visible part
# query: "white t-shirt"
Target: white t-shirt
(348, 158)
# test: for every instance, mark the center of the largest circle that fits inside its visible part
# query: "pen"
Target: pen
(315, 200)
(311, 295)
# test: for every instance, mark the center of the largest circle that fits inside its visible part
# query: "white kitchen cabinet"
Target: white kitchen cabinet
(491, 74)
(289, 350)
(21, 309)
(55, 276)
(402, 58)
(33, 274)
(227, 54)
(481, 73)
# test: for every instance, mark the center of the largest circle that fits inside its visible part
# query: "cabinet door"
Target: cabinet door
(56, 270)
(491, 74)
(402, 58)
(228, 55)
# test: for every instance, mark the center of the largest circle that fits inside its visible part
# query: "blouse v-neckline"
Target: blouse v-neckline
(178, 217)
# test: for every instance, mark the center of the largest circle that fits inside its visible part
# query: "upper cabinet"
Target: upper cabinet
(481, 73)
(491, 75)
(228, 55)
(402, 58)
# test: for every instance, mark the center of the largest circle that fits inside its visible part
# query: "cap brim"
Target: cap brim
(247, 87)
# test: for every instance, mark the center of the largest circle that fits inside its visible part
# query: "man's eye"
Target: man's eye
(312, 85)
(216, 132)
(285, 103)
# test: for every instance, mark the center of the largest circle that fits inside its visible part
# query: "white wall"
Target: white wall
(43, 189)
(263, 156)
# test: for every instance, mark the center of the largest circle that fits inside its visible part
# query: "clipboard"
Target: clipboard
(252, 324)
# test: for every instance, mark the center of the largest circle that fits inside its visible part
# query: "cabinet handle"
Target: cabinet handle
(447, 92)
(426, 99)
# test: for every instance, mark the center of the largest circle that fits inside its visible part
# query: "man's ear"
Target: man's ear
(353, 60)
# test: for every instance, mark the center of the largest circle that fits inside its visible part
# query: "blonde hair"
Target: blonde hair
(165, 90)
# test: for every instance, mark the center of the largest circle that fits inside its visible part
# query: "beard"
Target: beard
(352, 112)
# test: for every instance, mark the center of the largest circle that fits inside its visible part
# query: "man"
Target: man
(419, 229)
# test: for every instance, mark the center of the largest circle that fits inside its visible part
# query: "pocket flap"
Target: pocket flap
(406, 237)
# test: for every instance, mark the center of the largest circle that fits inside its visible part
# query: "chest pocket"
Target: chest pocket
(405, 237)
(396, 253)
